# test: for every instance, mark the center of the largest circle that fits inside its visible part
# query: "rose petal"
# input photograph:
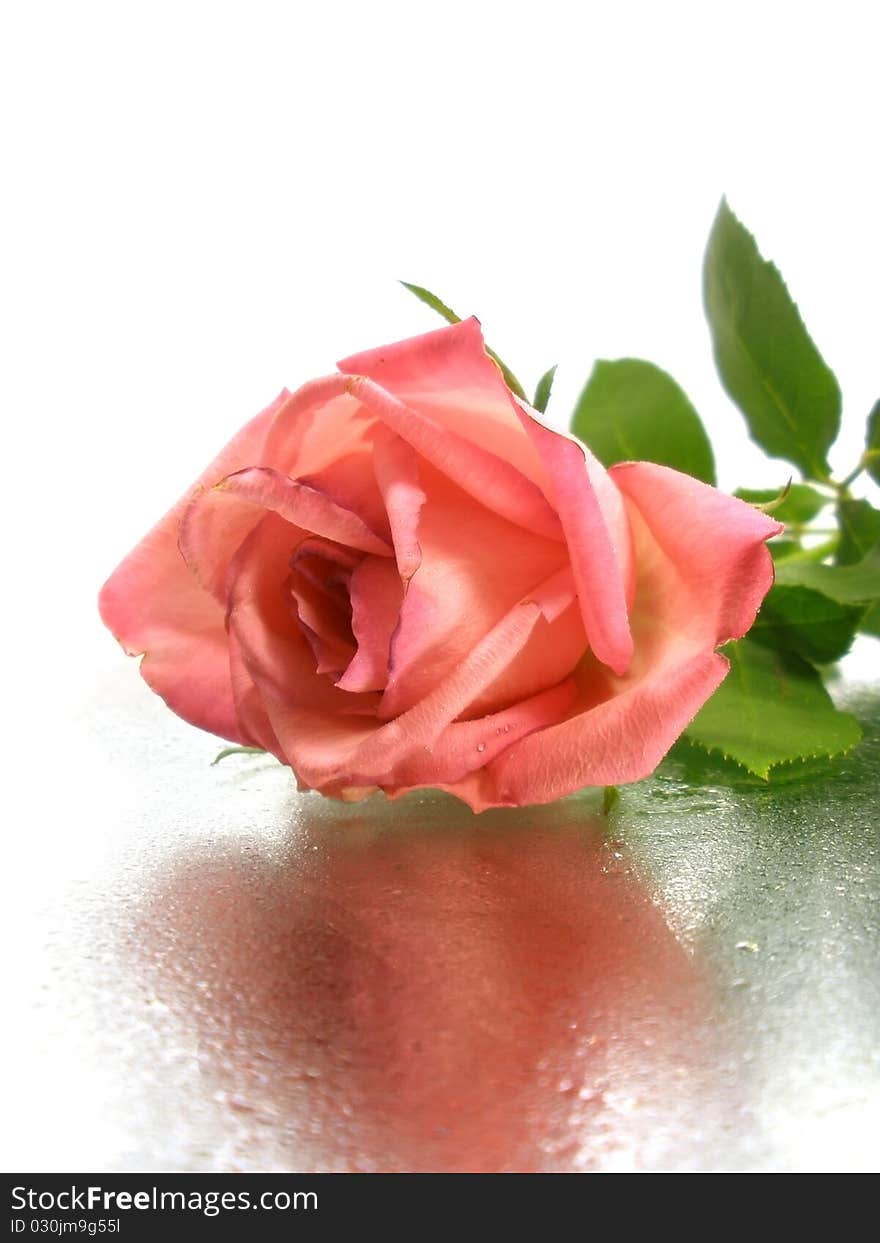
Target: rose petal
(351, 483)
(331, 753)
(376, 597)
(397, 474)
(217, 521)
(248, 704)
(467, 745)
(152, 604)
(315, 427)
(448, 376)
(474, 568)
(478, 471)
(703, 571)
(323, 618)
(598, 539)
(423, 724)
(552, 653)
(621, 740)
(716, 543)
(317, 557)
(275, 653)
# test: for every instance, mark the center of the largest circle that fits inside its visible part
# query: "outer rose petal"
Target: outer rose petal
(598, 536)
(483, 474)
(703, 572)
(618, 741)
(448, 376)
(248, 704)
(715, 541)
(153, 605)
(465, 746)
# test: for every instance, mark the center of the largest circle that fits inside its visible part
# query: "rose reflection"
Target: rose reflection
(442, 994)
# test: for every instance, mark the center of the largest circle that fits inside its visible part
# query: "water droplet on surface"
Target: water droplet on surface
(481, 746)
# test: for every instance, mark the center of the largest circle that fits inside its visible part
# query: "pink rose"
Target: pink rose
(399, 577)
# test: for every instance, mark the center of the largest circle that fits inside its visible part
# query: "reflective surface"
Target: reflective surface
(212, 972)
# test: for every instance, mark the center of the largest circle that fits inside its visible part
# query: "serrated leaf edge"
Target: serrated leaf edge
(765, 774)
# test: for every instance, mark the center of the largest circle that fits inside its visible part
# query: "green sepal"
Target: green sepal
(431, 300)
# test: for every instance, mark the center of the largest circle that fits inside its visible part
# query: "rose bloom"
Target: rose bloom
(399, 577)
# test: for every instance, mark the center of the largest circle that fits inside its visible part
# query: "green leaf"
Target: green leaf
(780, 548)
(631, 410)
(872, 444)
(798, 505)
(431, 300)
(771, 709)
(859, 532)
(859, 524)
(765, 356)
(804, 621)
(858, 583)
(542, 392)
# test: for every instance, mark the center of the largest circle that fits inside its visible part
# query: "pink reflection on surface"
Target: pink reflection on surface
(429, 992)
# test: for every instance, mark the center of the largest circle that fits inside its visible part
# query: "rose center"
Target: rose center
(318, 595)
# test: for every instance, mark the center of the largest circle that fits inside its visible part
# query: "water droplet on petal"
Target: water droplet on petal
(481, 746)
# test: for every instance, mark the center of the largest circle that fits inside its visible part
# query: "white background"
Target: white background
(203, 203)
